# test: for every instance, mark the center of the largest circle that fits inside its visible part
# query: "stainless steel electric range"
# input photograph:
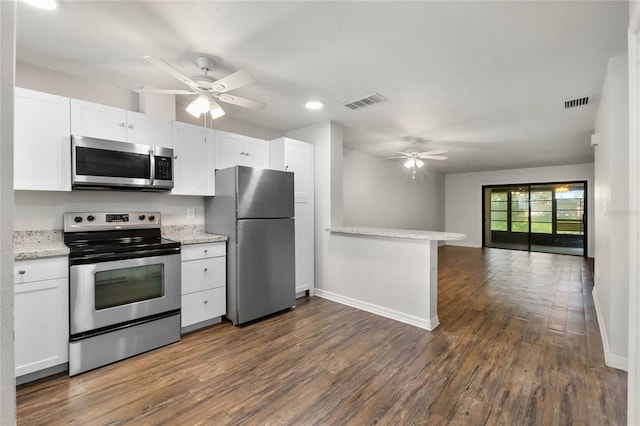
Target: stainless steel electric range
(124, 287)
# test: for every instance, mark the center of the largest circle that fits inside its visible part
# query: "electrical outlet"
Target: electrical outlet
(191, 213)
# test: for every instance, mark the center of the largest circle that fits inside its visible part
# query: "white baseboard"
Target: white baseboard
(413, 320)
(612, 360)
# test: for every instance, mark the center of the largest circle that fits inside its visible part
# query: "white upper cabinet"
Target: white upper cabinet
(42, 149)
(107, 122)
(233, 150)
(193, 160)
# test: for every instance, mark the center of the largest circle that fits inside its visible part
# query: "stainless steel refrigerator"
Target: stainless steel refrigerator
(254, 208)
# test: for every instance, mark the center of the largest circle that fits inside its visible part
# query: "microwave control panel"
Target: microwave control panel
(163, 168)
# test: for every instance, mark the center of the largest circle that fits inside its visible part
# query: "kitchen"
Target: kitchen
(32, 208)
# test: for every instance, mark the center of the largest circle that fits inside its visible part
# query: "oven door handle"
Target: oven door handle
(152, 166)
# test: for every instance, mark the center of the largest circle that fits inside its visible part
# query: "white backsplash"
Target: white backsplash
(43, 210)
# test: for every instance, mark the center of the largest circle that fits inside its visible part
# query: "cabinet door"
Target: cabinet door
(304, 245)
(193, 163)
(98, 121)
(148, 130)
(228, 147)
(255, 153)
(203, 305)
(298, 158)
(41, 325)
(42, 150)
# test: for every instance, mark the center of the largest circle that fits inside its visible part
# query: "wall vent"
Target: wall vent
(576, 102)
(372, 99)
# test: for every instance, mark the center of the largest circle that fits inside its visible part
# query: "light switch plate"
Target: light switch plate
(191, 213)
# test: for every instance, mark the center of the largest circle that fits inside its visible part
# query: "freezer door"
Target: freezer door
(265, 267)
(264, 193)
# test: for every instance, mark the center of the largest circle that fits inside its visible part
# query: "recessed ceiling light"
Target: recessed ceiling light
(43, 4)
(314, 105)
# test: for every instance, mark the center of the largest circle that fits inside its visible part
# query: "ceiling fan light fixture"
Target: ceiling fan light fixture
(411, 162)
(419, 162)
(215, 110)
(199, 105)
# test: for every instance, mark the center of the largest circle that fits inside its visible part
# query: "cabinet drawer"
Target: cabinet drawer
(203, 305)
(204, 250)
(40, 269)
(203, 274)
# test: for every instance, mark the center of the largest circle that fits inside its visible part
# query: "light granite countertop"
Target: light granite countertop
(190, 234)
(38, 244)
(49, 243)
(398, 233)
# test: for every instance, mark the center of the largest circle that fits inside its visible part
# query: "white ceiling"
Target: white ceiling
(484, 80)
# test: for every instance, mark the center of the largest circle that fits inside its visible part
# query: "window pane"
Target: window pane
(519, 226)
(499, 196)
(571, 215)
(499, 205)
(498, 225)
(517, 196)
(569, 204)
(541, 195)
(541, 206)
(541, 228)
(572, 228)
(499, 216)
(541, 217)
(520, 216)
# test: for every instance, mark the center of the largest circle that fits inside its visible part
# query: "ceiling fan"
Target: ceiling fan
(413, 159)
(206, 88)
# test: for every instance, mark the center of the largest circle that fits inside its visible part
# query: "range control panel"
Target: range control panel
(95, 221)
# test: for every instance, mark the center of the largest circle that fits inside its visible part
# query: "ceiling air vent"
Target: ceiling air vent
(372, 99)
(576, 102)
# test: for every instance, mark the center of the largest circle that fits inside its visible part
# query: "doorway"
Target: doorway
(543, 217)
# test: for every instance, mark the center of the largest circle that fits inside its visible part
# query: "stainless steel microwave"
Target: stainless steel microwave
(105, 164)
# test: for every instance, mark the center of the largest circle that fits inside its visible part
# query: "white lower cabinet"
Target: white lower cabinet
(41, 314)
(204, 284)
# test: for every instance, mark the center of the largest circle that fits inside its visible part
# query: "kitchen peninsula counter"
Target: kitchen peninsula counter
(389, 272)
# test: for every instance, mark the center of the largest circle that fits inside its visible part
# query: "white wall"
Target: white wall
(611, 211)
(327, 140)
(7, 59)
(380, 193)
(42, 210)
(633, 377)
(463, 196)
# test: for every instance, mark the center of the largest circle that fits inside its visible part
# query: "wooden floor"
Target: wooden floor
(518, 344)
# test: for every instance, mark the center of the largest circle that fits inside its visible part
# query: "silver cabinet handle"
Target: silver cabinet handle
(206, 269)
(22, 271)
(206, 301)
(130, 126)
(286, 167)
(122, 124)
(206, 250)
(175, 157)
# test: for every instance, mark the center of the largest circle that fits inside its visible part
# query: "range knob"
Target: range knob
(91, 218)
(141, 217)
(77, 219)
(152, 218)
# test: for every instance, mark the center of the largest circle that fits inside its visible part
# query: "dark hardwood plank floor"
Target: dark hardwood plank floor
(518, 344)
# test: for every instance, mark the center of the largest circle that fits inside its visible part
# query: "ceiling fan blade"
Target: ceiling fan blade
(172, 71)
(395, 158)
(433, 152)
(434, 157)
(239, 101)
(233, 81)
(406, 154)
(165, 91)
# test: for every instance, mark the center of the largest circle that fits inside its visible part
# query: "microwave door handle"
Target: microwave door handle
(152, 165)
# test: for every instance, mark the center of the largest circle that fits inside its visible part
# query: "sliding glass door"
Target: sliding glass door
(548, 217)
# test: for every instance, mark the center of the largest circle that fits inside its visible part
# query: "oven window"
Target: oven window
(103, 162)
(129, 285)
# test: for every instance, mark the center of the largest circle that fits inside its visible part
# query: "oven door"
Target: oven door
(116, 292)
